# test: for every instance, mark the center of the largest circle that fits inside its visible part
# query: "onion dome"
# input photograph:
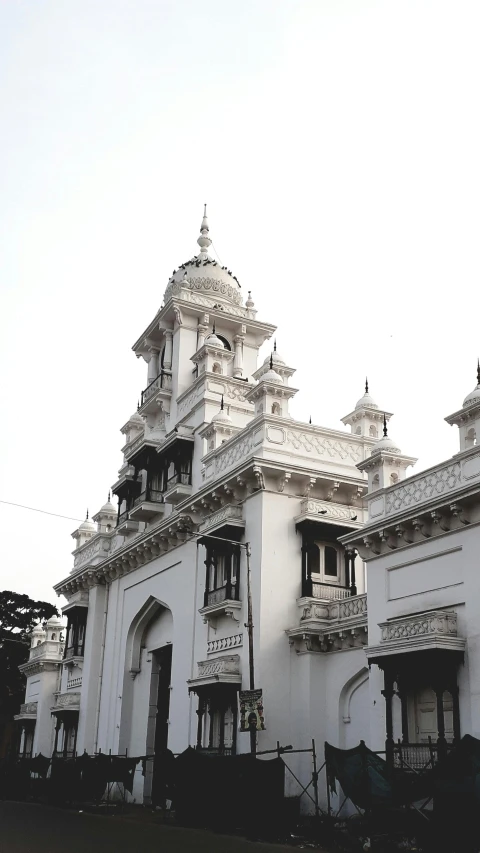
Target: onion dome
(108, 508)
(38, 630)
(367, 400)
(213, 341)
(385, 445)
(221, 417)
(275, 357)
(271, 375)
(54, 622)
(474, 397)
(87, 526)
(204, 274)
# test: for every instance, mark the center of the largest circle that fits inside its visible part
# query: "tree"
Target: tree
(18, 616)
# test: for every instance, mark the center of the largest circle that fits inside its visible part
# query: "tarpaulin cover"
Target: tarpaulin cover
(238, 790)
(367, 780)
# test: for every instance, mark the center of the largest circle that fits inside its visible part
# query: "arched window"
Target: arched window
(276, 410)
(471, 438)
(217, 368)
(373, 432)
(358, 430)
(225, 343)
(393, 479)
(376, 481)
(54, 636)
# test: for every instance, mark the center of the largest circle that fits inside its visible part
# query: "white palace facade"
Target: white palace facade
(156, 648)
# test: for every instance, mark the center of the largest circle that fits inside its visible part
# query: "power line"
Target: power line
(44, 511)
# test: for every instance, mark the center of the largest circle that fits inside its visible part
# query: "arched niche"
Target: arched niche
(150, 611)
(347, 696)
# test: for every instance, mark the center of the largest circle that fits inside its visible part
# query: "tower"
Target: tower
(468, 418)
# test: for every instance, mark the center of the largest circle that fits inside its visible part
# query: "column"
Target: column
(167, 358)
(347, 569)
(238, 360)
(201, 335)
(388, 694)
(153, 366)
(441, 741)
(456, 714)
(402, 693)
(200, 713)
(353, 585)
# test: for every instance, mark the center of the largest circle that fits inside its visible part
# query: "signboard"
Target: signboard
(251, 710)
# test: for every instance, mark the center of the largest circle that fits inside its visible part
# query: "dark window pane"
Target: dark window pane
(330, 562)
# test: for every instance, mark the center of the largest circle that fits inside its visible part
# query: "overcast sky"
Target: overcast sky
(337, 144)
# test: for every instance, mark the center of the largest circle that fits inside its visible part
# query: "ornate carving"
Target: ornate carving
(228, 664)
(423, 488)
(325, 447)
(212, 285)
(232, 642)
(436, 622)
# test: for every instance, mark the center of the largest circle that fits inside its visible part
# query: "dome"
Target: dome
(221, 418)
(136, 419)
(473, 398)
(271, 376)
(54, 622)
(39, 629)
(107, 508)
(367, 400)
(204, 274)
(88, 526)
(385, 445)
(276, 359)
(213, 341)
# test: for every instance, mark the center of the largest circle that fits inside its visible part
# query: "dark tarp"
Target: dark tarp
(228, 791)
(456, 780)
(367, 780)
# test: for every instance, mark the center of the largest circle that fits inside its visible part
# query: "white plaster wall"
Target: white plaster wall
(44, 728)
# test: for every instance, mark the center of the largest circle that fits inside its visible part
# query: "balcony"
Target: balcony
(161, 387)
(179, 487)
(28, 711)
(333, 625)
(148, 504)
(325, 591)
(125, 524)
(436, 629)
(223, 601)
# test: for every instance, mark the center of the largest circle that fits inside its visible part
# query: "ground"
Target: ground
(29, 828)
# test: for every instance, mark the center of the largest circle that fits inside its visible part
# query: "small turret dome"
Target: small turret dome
(213, 341)
(474, 397)
(272, 376)
(385, 445)
(367, 400)
(275, 357)
(87, 526)
(54, 622)
(136, 419)
(108, 508)
(222, 417)
(39, 629)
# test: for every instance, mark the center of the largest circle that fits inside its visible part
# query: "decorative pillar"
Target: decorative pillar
(200, 713)
(167, 358)
(201, 335)
(388, 693)
(402, 693)
(353, 585)
(441, 740)
(347, 569)
(456, 714)
(306, 574)
(238, 360)
(153, 370)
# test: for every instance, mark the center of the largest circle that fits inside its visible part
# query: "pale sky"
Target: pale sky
(337, 143)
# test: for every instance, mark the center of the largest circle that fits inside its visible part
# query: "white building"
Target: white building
(157, 648)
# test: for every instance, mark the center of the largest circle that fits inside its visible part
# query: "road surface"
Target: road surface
(30, 828)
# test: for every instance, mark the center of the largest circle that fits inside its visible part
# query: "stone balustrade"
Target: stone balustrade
(436, 622)
(28, 709)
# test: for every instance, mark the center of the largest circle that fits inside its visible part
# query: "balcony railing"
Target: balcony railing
(228, 592)
(216, 750)
(149, 496)
(162, 381)
(419, 756)
(325, 591)
(179, 478)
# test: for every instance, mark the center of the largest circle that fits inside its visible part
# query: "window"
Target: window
(222, 563)
(376, 482)
(324, 562)
(224, 342)
(217, 368)
(276, 409)
(470, 438)
(358, 430)
(373, 431)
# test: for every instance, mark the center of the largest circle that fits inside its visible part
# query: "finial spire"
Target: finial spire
(109, 496)
(86, 516)
(271, 361)
(478, 371)
(213, 328)
(366, 385)
(221, 404)
(275, 345)
(204, 240)
(384, 425)
(310, 419)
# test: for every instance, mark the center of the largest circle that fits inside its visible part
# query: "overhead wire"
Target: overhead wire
(44, 511)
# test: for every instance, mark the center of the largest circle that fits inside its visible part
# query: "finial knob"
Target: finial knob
(384, 425)
(204, 240)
